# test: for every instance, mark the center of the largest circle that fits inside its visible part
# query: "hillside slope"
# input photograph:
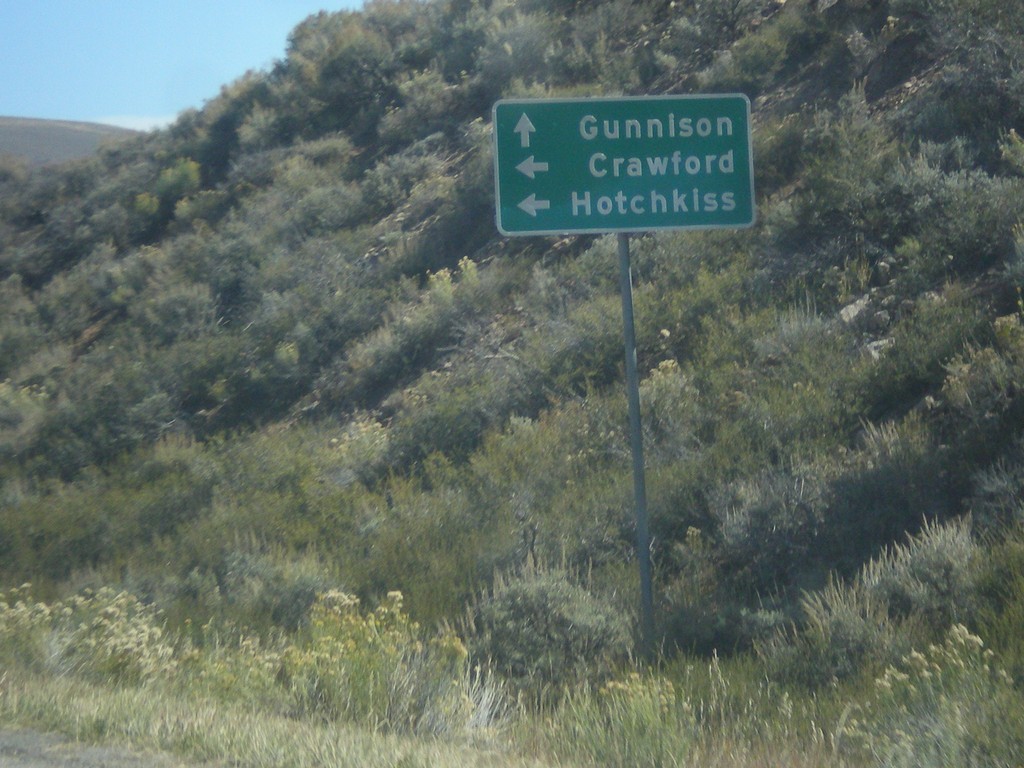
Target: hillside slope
(280, 346)
(42, 142)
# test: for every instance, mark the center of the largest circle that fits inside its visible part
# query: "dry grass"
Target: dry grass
(41, 142)
(151, 718)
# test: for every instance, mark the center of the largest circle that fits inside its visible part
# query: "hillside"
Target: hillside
(278, 352)
(42, 142)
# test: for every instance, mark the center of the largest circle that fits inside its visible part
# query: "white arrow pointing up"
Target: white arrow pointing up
(531, 205)
(530, 167)
(524, 128)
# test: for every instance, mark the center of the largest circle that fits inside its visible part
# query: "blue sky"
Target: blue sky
(136, 63)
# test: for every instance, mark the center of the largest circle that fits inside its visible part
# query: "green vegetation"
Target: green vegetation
(290, 438)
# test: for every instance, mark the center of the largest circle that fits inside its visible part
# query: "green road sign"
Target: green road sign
(566, 166)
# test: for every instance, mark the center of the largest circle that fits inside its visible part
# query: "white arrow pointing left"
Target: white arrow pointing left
(531, 205)
(530, 167)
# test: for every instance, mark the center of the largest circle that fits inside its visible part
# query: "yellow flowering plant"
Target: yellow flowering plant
(945, 706)
(104, 635)
(24, 625)
(379, 668)
(113, 635)
(235, 665)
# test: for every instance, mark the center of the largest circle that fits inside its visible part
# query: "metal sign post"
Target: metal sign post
(624, 165)
(636, 439)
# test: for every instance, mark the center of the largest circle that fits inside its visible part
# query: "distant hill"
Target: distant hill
(43, 142)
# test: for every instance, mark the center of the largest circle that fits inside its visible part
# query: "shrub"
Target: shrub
(997, 498)
(516, 48)
(948, 706)
(912, 590)
(694, 38)
(267, 593)
(776, 46)
(542, 631)
(346, 69)
(181, 310)
(854, 158)
(427, 104)
(21, 334)
(976, 93)
(847, 630)
(779, 147)
(1002, 607)
(177, 181)
(767, 529)
(580, 350)
(964, 219)
(931, 578)
(939, 329)
(390, 355)
(672, 412)
(22, 410)
(750, 66)
(390, 182)
(980, 391)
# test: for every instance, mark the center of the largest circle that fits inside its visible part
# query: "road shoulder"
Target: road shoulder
(26, 748)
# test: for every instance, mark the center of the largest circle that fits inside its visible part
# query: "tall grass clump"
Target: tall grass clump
(688, 712)
(628, 722)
